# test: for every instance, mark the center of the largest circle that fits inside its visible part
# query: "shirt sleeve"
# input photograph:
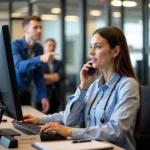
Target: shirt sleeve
(72, 113)
(56, 117)
(21, 65)
(122, 119)
(39, 82)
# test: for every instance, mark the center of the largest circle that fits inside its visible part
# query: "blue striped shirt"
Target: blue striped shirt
(120, 113)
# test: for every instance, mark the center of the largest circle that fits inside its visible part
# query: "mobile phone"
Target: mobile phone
(91, 71)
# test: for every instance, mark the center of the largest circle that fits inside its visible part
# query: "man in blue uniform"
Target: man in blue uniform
(28, 57)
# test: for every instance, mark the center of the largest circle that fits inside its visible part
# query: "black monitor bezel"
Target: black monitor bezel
(12, 75)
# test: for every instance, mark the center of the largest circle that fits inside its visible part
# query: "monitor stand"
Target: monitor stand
(6, 135)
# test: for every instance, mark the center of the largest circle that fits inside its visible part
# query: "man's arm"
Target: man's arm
(23, 65)
(39, 82)
(58, 75)
(51, 78)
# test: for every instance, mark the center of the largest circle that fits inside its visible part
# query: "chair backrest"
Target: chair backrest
(145, 115)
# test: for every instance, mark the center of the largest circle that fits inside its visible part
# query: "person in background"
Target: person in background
(54, 75)
(108, 107)
(27, 56)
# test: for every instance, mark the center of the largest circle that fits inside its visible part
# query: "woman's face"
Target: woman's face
(101, 53)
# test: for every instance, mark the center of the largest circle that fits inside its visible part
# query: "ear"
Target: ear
(25, 29)
(116, 51)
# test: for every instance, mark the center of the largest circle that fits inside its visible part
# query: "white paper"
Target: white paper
(68, 145)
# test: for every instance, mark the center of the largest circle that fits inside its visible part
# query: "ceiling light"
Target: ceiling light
(55, 10)
(116, 3)
(129, 4)
(116, 14)
(49, 17)
(71, 18)
(140, 22)
(95, 13)
(18, 15)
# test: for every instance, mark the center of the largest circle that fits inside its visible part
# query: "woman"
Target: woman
(108, 107)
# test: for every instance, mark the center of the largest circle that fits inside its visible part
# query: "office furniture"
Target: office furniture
(30, 110)
(143, 138)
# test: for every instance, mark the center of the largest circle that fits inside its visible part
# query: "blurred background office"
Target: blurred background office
(72, 22)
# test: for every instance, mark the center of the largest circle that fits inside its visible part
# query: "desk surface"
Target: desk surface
(29, 110)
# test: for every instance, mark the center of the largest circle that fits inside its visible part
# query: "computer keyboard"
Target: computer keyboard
(32, 129)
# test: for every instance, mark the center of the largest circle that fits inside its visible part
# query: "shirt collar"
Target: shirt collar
(25, 46)
(24, 43)
(111, 82)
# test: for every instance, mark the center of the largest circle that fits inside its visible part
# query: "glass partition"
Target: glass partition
(20, 10)
(4, 13)
(133, 29)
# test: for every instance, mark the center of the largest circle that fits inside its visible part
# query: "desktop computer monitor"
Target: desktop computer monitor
(9, 98)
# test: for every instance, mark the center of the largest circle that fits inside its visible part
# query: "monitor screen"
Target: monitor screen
(8, 85)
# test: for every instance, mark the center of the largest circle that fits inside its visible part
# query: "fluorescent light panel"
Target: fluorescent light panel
(140, 22)
(129, 4)
(116, 14)
(118, 3)
(18, 15)
(55, 10)
(49, 17)
(71, 18)
(95, 13)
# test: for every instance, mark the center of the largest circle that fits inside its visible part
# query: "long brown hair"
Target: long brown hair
(122, 62)
(115, 37)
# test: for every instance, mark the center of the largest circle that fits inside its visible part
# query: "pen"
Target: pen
(81, 141)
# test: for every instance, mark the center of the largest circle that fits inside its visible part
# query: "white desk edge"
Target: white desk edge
(33, 111)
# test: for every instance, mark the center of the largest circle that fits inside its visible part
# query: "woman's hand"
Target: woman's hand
(30, 118)
(54, 126)
(86, 79)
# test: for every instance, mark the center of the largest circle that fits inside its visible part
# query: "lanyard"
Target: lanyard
(103, 115)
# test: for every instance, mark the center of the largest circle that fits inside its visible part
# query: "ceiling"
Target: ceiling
(72, 7)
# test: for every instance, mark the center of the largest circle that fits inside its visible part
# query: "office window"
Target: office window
(4, 13)
(149, 39)
(20, 10)
(95, 20)
(133, 29)
(49, 10)
(72, 34)
(149, 23)
(116, 14)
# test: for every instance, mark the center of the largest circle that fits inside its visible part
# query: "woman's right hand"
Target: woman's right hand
(30, 118)
(86, 79)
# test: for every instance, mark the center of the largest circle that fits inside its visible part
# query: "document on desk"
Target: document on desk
(68, 145)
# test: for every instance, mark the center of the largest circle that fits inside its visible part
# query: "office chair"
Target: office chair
(143, 137)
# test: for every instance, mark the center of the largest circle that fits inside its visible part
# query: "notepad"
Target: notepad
(68, 145)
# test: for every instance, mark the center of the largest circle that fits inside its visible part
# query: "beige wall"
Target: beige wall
(17, 31)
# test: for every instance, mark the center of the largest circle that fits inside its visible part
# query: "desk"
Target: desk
(29, 110)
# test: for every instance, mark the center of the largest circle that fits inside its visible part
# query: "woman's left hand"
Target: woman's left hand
(54, 126)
